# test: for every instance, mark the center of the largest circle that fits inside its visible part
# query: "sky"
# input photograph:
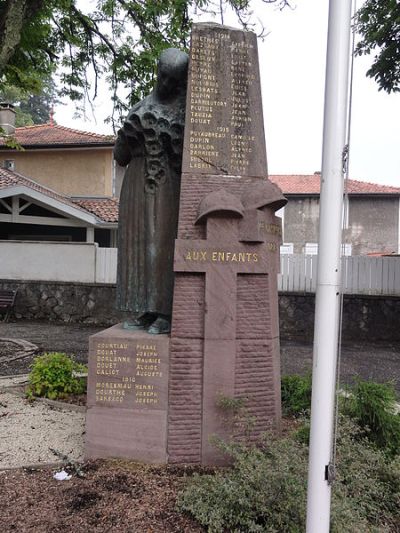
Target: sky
(292, 67)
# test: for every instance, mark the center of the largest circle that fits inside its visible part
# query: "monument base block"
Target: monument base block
(127, 400)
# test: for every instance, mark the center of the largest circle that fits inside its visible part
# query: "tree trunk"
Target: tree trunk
(12, 19)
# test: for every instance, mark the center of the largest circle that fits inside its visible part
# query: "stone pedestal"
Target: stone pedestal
(127, 395)
(225, 333)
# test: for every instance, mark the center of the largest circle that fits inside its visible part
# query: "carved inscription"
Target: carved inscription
(271, 229)
(113, 362)
(148, 365)
(128, 375)
(221, 257)
(224, 131)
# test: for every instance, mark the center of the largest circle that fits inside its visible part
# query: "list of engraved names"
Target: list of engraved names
(127, 373)
(223, 86)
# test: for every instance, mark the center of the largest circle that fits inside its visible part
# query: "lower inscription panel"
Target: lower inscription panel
(127, 395)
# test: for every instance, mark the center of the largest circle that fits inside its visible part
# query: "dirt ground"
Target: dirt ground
(114, 496)
(379, 361)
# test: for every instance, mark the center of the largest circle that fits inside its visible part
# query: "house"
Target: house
(30, 211)
(69, 161)
(58, 212)
(372, 219)
(61, 186)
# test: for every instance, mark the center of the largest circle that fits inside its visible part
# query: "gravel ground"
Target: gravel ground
(30, 430)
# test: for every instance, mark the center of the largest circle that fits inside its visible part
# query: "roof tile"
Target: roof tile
(310, 184)
(104, 208)
(53, 135)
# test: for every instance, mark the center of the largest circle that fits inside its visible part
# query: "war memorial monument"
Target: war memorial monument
(198, 262)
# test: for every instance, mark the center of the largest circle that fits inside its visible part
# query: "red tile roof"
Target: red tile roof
(104, 208)
(310, 184)
(107, 210)
(9, 178)
(55, 135)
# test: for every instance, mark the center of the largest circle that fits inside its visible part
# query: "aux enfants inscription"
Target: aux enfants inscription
(155, 398)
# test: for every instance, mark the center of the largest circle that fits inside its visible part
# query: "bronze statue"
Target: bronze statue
(150, 143)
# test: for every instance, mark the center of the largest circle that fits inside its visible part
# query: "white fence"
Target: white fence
(106, 265)
(87, 263)
(360, 274)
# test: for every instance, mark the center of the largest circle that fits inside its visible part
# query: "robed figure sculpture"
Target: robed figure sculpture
(150, 143)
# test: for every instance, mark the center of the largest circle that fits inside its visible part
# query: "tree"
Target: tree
(119, 39)
(30, 108)
(378, 23)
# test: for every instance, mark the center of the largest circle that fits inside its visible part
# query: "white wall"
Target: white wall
(48, 261)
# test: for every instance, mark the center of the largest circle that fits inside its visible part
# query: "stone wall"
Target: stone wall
(65, 302)
(365, 317)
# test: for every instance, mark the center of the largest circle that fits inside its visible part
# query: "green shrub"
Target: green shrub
(368, 482)
(373, 406)
(296, 394)
(53, 376)
(302, 434)
(265, 489)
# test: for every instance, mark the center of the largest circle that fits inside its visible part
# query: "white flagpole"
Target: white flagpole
(327, 301)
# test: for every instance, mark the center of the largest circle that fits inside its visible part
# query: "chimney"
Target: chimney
(7, 118)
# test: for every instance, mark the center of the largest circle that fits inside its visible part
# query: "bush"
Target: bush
(265, 489)
(373, 407)
(53, 376)
(296, 394)
(368, 482)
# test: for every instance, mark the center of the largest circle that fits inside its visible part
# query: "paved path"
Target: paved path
(72, 339)
(380, 361)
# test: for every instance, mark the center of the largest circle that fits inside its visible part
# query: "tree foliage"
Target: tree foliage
(30, 108)
(378, 23)
(83, 41)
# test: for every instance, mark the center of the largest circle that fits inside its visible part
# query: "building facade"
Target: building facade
(371, 220)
